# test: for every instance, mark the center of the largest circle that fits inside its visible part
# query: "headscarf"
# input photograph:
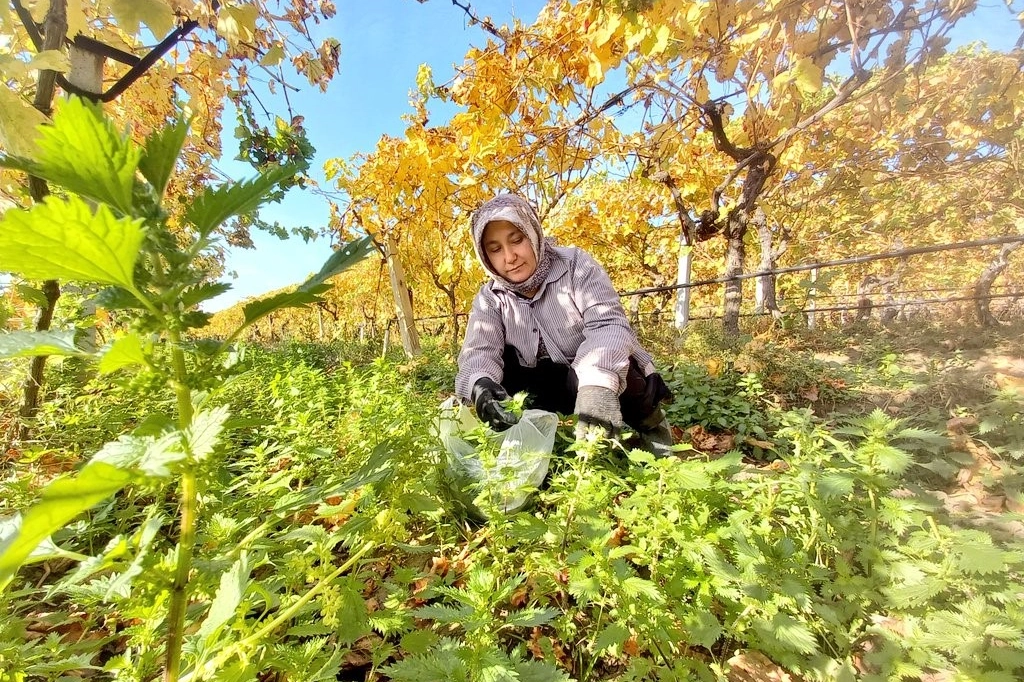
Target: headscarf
(520, 213)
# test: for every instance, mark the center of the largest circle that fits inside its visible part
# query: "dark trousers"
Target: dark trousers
(553, 387)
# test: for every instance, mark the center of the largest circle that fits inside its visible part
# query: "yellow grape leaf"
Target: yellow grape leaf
(54, 60)
(157, 15)
(595, 71)
(808, 75)
(636, 36)
(237, 23)
(714, 366)
(12, 67)
(603, 34)
(18, 123)
(695, 13)
(5, 17)
(76, 17)
(661, 40)
(702, 91)
(726, 68)
(424, 79)
(273, 57)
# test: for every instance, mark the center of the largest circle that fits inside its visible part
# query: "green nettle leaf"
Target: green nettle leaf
(205, 429)
(538, 671)
(445, 614)
(160, 153)
(22, 344)
(980, 558)
(342, 259)
(793, 634)
(61, 500)
(309, 291)
(288, 299)
(835, 484)
(612, 636)
(229, 595)
(690, 476)
(1005, 632)
(145, 455)
(891, 459)
(83, 153)
(126, 351)
(203, 292)
(418, 641)
(531, 617)
(121, 585)
(439, 665)
(911, 594)
(65, 240)
(44, 551)
(634, 586)
(214, 206)
(703, 628)
(32, 295)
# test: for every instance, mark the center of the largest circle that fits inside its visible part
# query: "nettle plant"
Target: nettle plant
(109, 227)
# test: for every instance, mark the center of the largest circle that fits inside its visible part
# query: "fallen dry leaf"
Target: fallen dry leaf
(753, 666)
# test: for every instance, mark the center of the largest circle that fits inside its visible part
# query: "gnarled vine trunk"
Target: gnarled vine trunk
(983, 287)
(765, 298)
(55, 28)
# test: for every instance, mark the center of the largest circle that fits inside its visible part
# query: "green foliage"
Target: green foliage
(726, 401)
(126, 243)
(283, 503)
(26, 344)
(67, 240)
(87, 156)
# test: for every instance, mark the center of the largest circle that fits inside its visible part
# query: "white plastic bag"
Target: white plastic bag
(507, 478)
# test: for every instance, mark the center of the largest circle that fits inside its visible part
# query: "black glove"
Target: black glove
(598, 407)
(487, 396)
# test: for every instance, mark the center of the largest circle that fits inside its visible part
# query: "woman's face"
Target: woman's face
(508, 251)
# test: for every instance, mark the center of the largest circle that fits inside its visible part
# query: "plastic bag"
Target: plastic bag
(503, 474)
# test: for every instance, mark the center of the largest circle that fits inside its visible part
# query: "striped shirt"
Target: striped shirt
(576, 311)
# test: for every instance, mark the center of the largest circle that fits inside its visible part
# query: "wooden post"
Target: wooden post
(684, 268)
(811, 294)
(403, 303)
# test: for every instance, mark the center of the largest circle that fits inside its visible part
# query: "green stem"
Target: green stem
(873, 528)
(581, 462)
(187, 534)
(260, 635)
(593, 659)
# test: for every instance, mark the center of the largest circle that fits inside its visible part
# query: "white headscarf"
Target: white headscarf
(520, 213)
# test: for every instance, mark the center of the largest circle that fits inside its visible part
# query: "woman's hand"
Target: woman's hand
(487, 396)
(598, 408)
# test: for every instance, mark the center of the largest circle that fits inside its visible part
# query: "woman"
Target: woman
(550, 323)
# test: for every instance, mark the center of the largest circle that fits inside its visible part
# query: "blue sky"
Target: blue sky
(383, 42)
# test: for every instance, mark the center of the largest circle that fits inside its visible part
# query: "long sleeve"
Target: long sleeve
(602, 359)
(483, 346)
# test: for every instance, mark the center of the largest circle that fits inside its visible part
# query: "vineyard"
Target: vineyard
(813, 213)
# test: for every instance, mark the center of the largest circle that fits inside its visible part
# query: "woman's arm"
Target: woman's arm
(609, 340)
(482, 349)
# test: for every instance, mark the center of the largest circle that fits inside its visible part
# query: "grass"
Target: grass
(848, 505)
